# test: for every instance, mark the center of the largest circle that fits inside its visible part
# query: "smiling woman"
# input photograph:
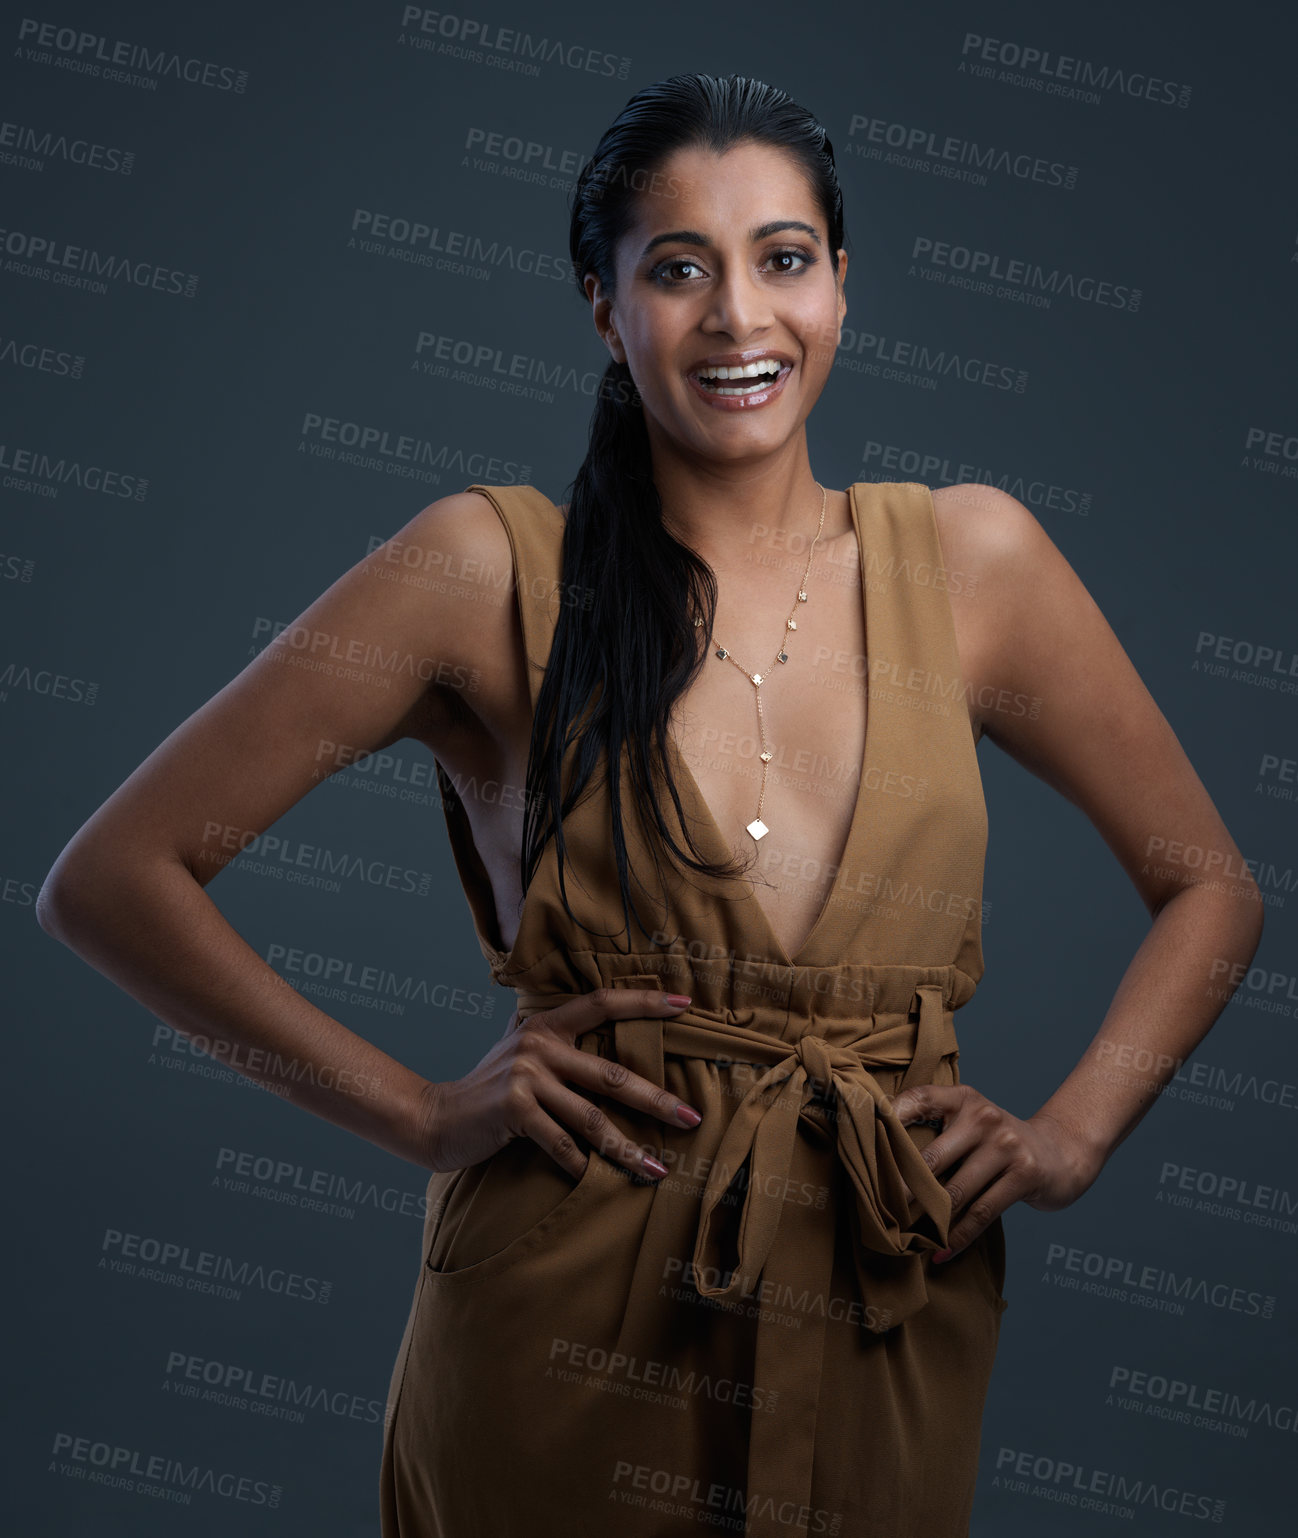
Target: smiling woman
(730, 1254)
(795, 1324)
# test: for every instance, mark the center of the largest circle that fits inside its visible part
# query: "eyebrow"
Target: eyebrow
(697, 238)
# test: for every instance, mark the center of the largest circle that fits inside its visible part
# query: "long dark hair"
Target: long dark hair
(619, 662)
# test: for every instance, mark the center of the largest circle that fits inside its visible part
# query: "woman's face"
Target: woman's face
(726, 262)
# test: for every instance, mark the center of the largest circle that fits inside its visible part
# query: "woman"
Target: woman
(714, 1231)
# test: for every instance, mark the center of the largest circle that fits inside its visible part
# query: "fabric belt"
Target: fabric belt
(787, 1245)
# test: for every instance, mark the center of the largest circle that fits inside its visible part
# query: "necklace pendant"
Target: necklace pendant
(757, 679)
(792, 624)
(766, 757)
(758, 828)
(802, 597)
(722, 653)
(783, 657)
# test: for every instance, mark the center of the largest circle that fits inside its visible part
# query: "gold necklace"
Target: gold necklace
(757, 827)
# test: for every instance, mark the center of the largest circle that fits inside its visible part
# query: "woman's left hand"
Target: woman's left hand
(1039, 1161)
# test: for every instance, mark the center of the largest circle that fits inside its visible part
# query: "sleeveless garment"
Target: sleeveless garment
(757, 1343)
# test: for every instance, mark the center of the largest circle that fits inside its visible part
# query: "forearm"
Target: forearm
(1176, 986)
(155, 932)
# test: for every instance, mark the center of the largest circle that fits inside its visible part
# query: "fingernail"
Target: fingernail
(677, 1000)
(688, 1115)
(653, 1166)
(940, 1255)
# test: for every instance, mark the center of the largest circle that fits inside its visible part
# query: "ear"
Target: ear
(602, 310)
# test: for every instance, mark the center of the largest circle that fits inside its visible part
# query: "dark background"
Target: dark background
(162, 504)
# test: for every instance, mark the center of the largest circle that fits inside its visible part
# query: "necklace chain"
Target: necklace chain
(757, 827)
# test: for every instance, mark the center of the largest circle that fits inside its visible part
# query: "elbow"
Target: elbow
(57, 909)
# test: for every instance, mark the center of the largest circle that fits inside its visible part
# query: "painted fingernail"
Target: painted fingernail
(653, 1166)
(688, 1115)
(940, 1255)
(677, 1000)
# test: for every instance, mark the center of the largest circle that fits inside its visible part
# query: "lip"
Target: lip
(732, 359)
(751, 402)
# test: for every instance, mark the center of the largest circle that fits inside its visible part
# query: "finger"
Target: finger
(926, 1105)
(927, 1102)
(607, 1076)
(575, 1016)
(970, 1183)
(558, 1142)
(989, 1207)
(568, 1021)
(602, 1134)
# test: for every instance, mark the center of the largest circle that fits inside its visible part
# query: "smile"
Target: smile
(746, 386)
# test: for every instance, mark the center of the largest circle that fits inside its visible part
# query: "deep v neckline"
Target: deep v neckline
(702, 812)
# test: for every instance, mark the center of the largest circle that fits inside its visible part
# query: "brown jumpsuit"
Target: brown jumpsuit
(757, 1343)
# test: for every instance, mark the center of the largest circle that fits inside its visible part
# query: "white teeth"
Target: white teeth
(742, 370)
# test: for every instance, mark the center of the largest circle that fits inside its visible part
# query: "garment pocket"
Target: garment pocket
(511, 1205)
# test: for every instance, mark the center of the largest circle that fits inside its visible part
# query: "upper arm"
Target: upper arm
(1053, 688)
(381, 654)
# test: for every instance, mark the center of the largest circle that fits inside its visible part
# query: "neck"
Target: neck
(720, 510)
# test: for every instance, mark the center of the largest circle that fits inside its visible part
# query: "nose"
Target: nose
(740, 308)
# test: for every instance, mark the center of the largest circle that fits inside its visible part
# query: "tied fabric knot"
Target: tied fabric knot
(880, 1158)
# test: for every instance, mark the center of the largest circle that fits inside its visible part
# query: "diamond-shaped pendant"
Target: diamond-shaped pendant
(783, 657)
(722, 653)
(766, 757)
(758, 828)
(792, 624)
(802, 597)
(757, 679)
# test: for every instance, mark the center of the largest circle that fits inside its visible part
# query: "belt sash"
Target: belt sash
(790, 1244)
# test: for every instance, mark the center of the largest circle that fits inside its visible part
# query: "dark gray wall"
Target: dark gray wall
(164, 500)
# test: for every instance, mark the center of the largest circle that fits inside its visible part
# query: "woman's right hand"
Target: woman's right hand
(519, 1090)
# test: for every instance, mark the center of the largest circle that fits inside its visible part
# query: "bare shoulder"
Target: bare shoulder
(457, 552)
(1056, 690)
(982, 528)
(993, 549)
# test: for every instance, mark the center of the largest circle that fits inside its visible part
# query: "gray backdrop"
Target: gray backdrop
(177, 481)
